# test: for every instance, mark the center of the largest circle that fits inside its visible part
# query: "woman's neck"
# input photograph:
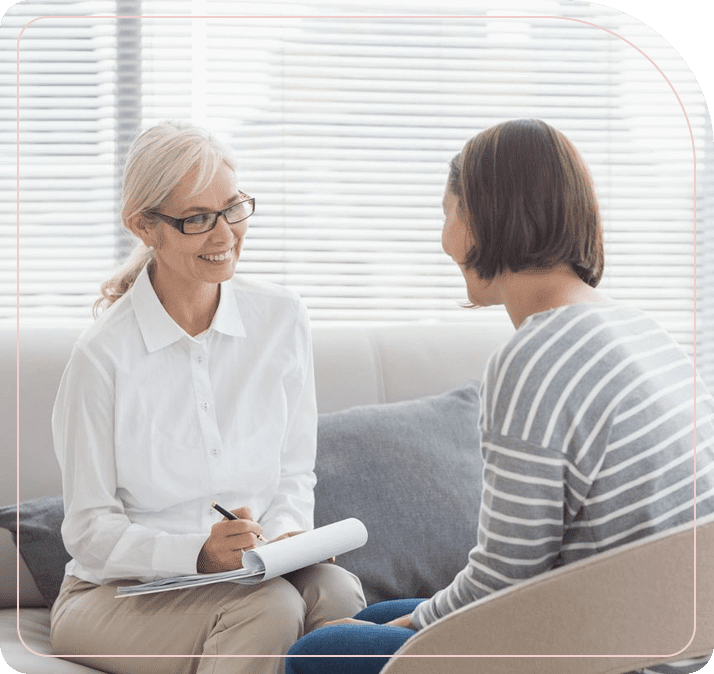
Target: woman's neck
(533, 291)
(192, 307)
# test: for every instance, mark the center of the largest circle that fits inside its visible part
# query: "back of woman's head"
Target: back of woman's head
(529, 200)
(157, 161)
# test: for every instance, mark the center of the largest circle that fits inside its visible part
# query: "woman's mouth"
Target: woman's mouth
(216, 257)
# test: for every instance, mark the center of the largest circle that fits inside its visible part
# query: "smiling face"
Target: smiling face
(191, 262)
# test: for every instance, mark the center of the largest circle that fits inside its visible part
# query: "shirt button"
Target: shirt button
(214, 451)
(201, 359)
(205, 405)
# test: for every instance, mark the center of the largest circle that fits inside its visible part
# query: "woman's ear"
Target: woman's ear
(145, 229)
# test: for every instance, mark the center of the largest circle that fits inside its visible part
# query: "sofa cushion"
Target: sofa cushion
(41, 544)
(412, 472)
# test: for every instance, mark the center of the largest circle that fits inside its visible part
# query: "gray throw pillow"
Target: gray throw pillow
(412, 472)
(41, 543)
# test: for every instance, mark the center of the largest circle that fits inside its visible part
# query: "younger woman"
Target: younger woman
(588, 416)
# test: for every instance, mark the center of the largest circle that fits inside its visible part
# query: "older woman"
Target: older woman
(588, 422)
(193, 385)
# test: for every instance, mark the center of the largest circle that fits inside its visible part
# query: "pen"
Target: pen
(231, 516)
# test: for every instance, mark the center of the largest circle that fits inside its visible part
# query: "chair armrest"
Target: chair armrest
(635, 605)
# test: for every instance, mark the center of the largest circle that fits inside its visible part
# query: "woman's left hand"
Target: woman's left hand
(404, 621)
(348, 621)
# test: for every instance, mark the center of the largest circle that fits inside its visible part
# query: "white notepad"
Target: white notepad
(270, 560)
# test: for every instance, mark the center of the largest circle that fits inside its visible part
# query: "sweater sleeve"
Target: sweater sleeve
(521, 523)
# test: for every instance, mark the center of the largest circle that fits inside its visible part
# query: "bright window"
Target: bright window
(344, 127)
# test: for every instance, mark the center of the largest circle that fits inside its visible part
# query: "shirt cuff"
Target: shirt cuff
(177, 554)
(418, 619)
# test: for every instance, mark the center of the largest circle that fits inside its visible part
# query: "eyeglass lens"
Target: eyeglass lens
(205, 221)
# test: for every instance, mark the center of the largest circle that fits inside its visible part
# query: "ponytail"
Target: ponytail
(116, 286)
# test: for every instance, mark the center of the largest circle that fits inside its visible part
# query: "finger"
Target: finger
(216, 555)
(242, 549)
(244, 513)
(348, 621)
(243, 542)
(240, 543)
(230, 528)
(230, 541)
(233, 547)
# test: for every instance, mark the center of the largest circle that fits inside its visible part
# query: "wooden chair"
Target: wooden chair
(619, 611)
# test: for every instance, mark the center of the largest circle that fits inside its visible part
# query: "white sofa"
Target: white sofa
(630, 591)
(354, 365)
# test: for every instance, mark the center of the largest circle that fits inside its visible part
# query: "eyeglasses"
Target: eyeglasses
(205, 222)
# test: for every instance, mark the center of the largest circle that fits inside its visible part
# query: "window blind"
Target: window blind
(63, 167)
(343, 126)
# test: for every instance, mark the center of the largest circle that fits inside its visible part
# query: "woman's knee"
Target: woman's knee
(274, 609)
(384, 611)
(346, 640)
(330, 592)
(333, 579)
(79, 607)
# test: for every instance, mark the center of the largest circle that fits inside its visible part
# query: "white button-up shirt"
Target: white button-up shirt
(150, 425)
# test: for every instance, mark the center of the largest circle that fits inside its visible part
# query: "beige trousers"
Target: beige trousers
(209, 623)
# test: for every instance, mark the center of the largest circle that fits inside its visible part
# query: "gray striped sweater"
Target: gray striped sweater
(588, 438)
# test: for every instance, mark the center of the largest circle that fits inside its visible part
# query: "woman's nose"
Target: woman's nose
(225, 231)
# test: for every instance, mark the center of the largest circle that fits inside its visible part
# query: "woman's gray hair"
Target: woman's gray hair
(158, 160)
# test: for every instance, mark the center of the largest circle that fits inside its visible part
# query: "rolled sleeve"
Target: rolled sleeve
(521, 524)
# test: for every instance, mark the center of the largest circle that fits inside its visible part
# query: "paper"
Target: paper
(270, 560)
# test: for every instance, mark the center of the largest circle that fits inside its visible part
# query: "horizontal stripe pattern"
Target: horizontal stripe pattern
(592, 420)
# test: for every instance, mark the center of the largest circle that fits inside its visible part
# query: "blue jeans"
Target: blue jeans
(373, 640)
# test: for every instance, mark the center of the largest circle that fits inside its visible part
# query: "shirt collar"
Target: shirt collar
(227, 319)
(160, 330)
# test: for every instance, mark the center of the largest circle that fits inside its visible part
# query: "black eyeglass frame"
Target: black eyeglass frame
(179, 223)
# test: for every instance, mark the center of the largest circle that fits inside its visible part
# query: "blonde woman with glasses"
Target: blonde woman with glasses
(193, 385)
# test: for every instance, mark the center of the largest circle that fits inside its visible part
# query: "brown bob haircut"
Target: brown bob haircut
(529, 200)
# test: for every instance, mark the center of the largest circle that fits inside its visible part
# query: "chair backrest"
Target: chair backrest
(632, 607)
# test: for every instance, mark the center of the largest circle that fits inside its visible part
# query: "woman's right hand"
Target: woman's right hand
(223, 550)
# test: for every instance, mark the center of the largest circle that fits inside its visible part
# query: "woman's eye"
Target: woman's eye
(199, 220)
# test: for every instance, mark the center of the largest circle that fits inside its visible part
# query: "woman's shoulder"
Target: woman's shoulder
(584, 323)
(264, 305)
(250, 285)
(266, 299)
(581, 357)
(114, 326)
(597, 312)
(564, 336)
